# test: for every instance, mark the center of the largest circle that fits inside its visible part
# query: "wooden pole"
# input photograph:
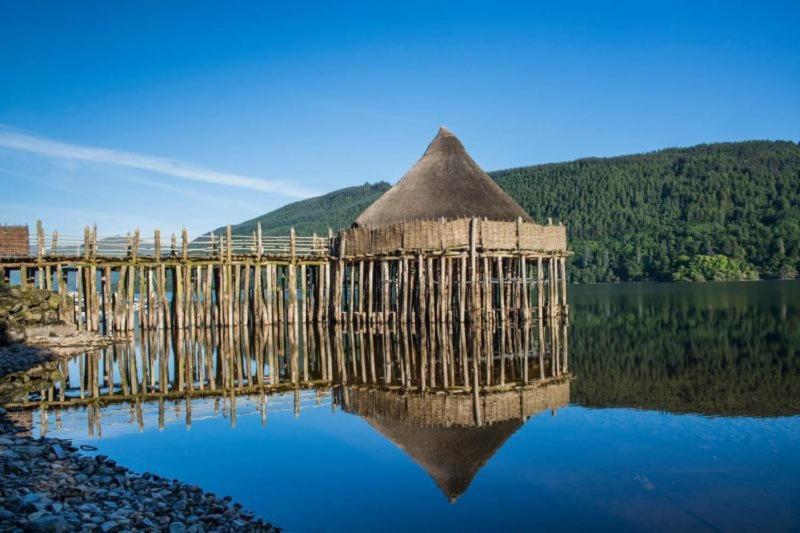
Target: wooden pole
(539, 287)
(526, 312)
(563, 261)
(473, 277)
(351, 293)
(487, 290)
(236, 294)
(95, 293)
(385, 285)
(320, 290)
(177, 295)
(430, 304)
(258, 301)
(272, 296)
(79, 295)
(162, 296)
(63, 312)
(370, 291)
(501, 289)
(338, 288)
(405, 314)
(105, 282)
(292, 279)
(303, 294)
(462, 289)
(208, 304)
(143, 324)
(129, 299)
(361, 294)
(421, 288)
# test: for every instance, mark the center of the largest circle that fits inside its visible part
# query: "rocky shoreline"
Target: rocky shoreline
(47, 484)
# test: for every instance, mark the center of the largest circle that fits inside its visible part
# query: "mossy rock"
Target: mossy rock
(54, 301)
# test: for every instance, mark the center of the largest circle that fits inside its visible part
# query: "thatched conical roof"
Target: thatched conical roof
(452, 456)
(447, 183)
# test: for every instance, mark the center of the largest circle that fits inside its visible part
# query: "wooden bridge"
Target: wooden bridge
(435, 271)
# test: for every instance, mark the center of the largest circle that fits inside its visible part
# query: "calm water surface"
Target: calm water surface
(657, 407)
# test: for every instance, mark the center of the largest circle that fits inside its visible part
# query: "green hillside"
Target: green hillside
(337, 209)
(645, 216)
(713, 211)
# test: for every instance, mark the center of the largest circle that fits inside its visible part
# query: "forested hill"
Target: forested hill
(713, 211)
(337, 209)
(673, 213)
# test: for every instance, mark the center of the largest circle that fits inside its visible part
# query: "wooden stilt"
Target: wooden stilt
(385, 304)
(501, 288)
(303, 295)
(370, 292)
(361, 294)
(105, 286)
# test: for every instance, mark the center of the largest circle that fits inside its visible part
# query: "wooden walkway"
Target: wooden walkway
(121, 283)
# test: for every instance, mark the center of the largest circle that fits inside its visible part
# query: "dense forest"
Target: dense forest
(709, 212)
(644, 217)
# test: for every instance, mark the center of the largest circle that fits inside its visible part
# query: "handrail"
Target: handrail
(42, 245)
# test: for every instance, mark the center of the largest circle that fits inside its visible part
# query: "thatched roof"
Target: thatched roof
(451, 456)
(447, 183)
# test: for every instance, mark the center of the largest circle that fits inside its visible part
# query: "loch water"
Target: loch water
(653, 407)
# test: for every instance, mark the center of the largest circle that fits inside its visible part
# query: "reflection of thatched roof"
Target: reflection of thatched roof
(451, 456)
(447, 183)
(440, 431)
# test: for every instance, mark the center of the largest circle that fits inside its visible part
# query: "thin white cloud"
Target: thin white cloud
(188, 193)
(34, 180)
(170, 167)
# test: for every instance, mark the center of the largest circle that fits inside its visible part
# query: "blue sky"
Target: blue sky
(200, 114)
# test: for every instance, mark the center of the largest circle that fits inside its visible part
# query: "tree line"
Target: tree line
(709, 212)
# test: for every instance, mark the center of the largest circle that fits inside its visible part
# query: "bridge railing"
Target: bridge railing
(133, 245)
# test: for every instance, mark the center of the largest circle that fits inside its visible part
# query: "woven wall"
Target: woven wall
(457, 409)
(434, 235)
(14, 241)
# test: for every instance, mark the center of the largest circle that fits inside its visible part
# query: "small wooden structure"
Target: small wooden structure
(444, 245)
(13, 241)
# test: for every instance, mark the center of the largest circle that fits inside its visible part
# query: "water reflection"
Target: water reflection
(211, 363)
(713, 349)
(448, 398)
(310, 415)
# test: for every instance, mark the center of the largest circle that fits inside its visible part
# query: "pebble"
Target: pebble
(45, 491)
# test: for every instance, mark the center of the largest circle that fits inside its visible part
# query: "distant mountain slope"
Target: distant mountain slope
(636, 217)
(337, 209)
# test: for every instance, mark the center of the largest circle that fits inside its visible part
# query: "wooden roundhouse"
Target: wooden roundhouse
(446, 243)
